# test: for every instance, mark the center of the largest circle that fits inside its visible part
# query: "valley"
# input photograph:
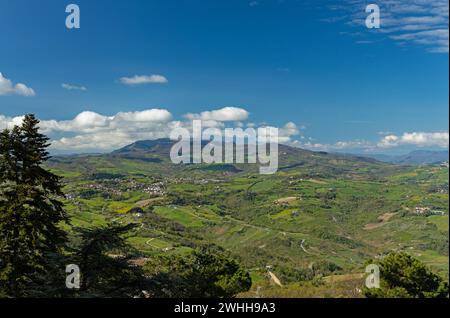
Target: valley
(313, 225)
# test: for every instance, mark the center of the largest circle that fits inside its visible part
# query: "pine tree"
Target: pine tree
(30, 211)
(403, 276)
(208, 272)
(105, 258)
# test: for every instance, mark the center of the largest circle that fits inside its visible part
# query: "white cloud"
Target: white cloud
(88, 122)
(93, 132)
(8, 88)
(286, 132)
(337, 146)
(98, 132)
(221, 115)
(71, 87)
(437, 37)
(419, 22)
(110, 139)
(388, 140)
(419, 139)
(144, 79)
(149, 115)
(10, 122)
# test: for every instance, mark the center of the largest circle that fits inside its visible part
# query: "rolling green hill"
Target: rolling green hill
(313, 224)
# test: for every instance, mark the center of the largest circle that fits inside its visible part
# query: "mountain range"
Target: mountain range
(321, 214)
(417, 157)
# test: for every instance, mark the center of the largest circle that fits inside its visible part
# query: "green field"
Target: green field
(317, 208)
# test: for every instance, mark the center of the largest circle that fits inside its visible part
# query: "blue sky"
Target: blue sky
(311, 67)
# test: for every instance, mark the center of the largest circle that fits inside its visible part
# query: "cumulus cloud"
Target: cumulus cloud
(8, 88)
(10, 122)
(387, 141)
(144, 79)
(106, 140)
(93, 132)
(419, 139)
(221, 115)
(88, 122)
(149, 115)
(71, 87)
(286, 132)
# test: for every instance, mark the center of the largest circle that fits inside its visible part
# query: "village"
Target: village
(116, 188)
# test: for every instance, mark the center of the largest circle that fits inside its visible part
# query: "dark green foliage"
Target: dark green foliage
(299, 274)
(105, 263)
(105, 175)
(328, 197)
(30, 211)
(403, 276)
(201, 274)
(325, 268)
(136, 210)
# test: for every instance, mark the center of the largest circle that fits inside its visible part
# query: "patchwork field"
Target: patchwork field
(314, 224)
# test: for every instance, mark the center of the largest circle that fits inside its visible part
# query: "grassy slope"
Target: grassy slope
(341, 210)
